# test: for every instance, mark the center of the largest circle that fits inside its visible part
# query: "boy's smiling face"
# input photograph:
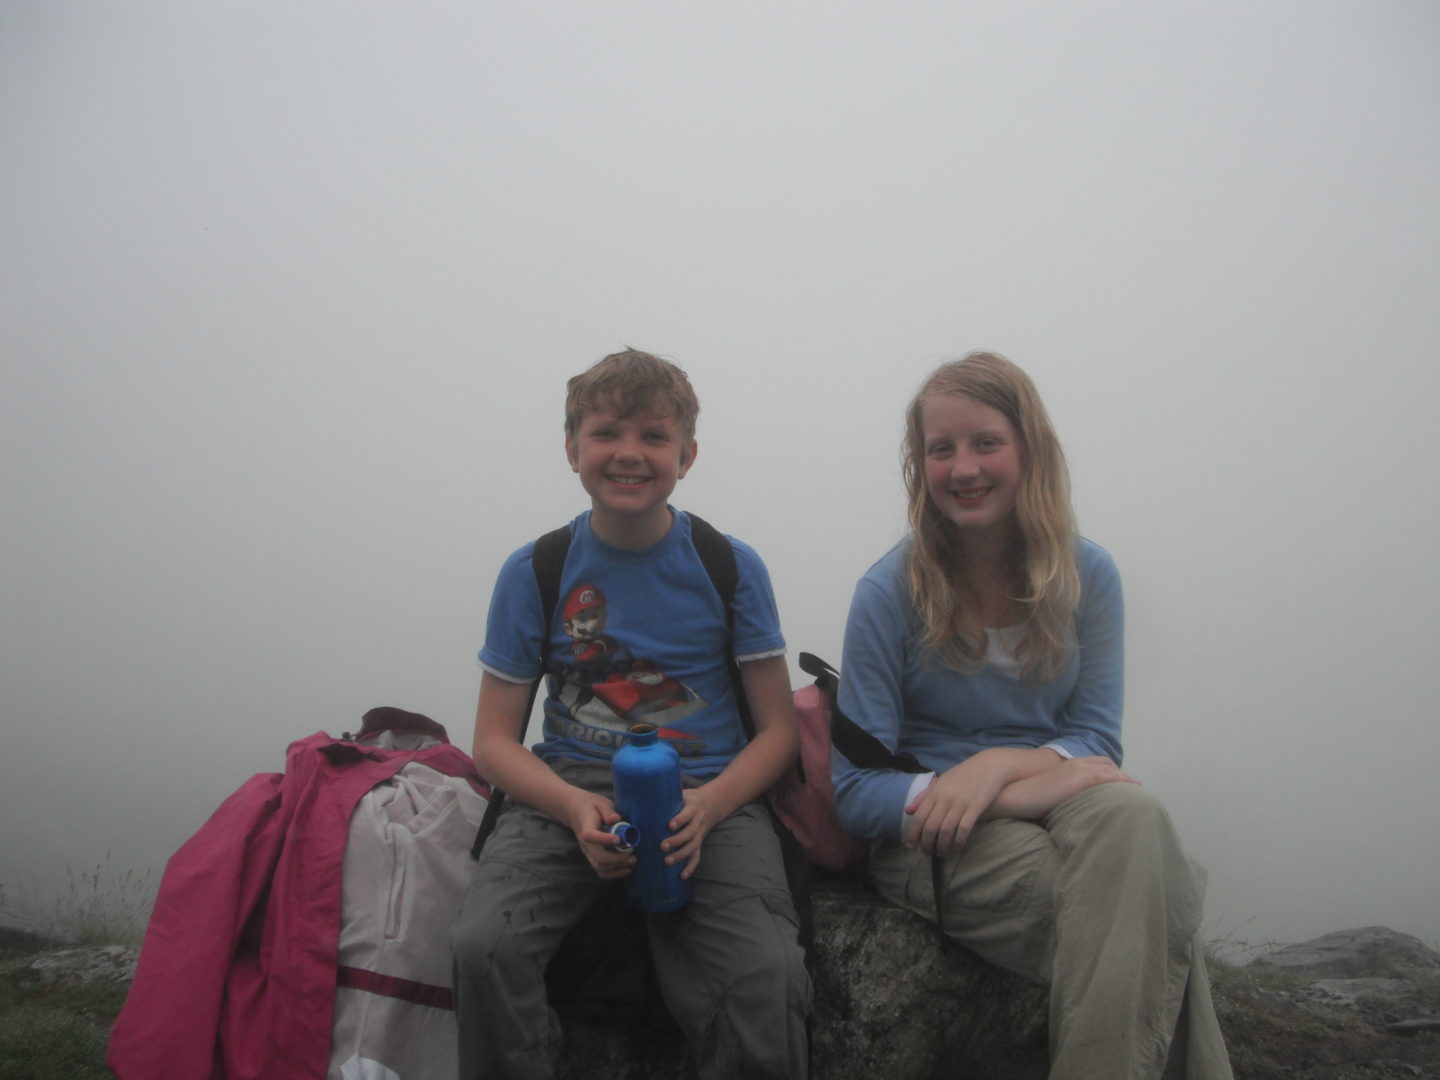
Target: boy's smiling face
(629, 466)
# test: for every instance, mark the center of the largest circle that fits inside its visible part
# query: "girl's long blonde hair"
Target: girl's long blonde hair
(1043, 569)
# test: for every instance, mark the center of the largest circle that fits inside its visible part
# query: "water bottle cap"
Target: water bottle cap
(643, 734)
(629, 836)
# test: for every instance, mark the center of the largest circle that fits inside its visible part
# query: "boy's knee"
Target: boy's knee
(781, 969)
(756, 970)
(480, 936)
(758, 1025)
(782, 979)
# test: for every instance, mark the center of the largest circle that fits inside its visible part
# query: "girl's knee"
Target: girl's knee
(1112, 815)
(1123, 825)
(1119, 802)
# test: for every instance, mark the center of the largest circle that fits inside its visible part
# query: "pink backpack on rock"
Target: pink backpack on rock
(804, 798)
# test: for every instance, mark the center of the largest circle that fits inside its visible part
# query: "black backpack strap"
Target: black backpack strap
(863, 749)
(718, 557)
(547, 560)
(937, 883)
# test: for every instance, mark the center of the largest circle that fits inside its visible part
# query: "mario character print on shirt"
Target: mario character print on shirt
(605, 688)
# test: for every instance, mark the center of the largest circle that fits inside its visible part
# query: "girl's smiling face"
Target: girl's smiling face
(973, 462)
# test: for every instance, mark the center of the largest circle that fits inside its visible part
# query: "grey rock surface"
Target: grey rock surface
(893, 999)
(91, 963)
(1369, 952)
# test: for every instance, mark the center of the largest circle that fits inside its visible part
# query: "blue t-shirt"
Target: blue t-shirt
(637, 636)
(895, 688)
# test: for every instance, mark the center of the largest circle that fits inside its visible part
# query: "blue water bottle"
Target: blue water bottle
(647, 796)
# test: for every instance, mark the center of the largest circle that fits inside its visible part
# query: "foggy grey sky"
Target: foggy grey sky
(289, 292)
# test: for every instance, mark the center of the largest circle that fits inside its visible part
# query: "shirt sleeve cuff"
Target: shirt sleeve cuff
(503, 675)
(917, 785)
(760, 655)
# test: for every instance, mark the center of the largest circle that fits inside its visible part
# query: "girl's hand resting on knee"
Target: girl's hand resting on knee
(1004, 781)
(945, 812)
(590, 818)
(1035, 796)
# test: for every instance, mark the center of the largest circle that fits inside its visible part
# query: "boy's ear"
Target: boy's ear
(687, 458)
(571, 455)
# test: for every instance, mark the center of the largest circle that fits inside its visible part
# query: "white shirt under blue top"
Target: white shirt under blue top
(896, 689)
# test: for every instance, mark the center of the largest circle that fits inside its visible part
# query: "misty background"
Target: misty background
(289, 293)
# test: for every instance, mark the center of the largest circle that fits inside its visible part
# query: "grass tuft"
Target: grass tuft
(1229, 950)
(97, 907)
(104, 909)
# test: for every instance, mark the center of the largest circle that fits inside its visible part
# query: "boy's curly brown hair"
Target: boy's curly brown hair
(632, 382)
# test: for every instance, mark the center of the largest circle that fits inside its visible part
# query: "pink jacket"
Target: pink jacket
(237, 974)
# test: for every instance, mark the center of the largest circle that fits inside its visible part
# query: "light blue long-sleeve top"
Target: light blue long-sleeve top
(896, 689)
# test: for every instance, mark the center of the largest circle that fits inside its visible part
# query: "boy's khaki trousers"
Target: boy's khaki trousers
(729, 963)
(1098, 901)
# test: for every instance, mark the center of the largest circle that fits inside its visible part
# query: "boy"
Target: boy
(637, 612)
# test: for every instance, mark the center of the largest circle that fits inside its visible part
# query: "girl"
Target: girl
(988, 644)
